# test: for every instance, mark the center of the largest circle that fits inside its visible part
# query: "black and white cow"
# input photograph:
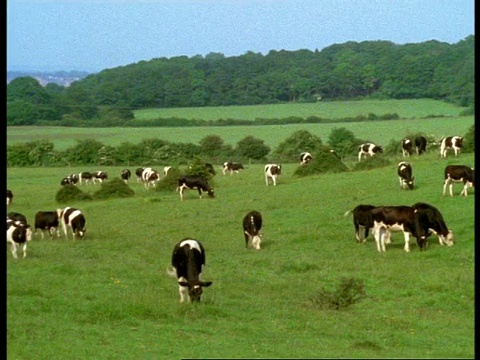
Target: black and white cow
(150, 177)
(166, 169)
(368, 149)
(139, 172)
(125, 175)
(87, 176)
(407, 147)
(420, 144)
(405, 175)
(70, 180)
(232, 167)
(430, 220)
(188, 261)
(9, 197)
(362, 219)
(305, 157)
(194, 182)
(458, 173)
(271, 173)
(47, 221)
(454, 143)
(18, 234)
(72, 219)
(252, 224)
(100, 176)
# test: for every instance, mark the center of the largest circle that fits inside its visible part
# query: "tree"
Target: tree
(290, 149)
(252, 148)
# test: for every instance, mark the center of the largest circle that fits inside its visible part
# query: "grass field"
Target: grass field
(108, 296)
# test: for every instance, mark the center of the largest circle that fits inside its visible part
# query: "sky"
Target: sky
(93, 35)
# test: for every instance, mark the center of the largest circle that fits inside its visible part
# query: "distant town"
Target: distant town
(62, 78)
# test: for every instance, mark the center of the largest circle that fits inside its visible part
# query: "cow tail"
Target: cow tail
(171, 272)
(347, 213)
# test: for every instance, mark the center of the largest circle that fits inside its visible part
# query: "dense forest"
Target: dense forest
(352, 70)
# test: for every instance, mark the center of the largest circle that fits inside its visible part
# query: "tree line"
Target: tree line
(374, 69)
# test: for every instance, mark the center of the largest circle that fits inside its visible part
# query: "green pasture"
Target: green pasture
(108, 296)
(416, 108)
(380, 132)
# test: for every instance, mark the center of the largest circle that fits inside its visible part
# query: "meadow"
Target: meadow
(108, 296)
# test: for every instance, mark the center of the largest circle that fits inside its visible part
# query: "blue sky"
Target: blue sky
(93, 35)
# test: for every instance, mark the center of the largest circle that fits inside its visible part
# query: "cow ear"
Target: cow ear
(183, 283)
(206, 283)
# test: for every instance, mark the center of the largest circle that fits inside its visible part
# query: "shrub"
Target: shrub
(373, 162)
(70, 193)
(323, 161)
(169, 182)
(114, 188)
(348, 292)
(469, 140)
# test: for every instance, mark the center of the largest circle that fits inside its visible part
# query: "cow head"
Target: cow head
(409, 183)
(211, 193)
(446, 239)
(195, 288)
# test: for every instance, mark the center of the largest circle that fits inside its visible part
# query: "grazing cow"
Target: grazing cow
(18, 233)
(70, 180)
(404, 171)
(125, 175)
(100, 176)
(47, 220)
(150, 177)
(362, 218)
(458, 173)
(166, 169)
(87, 176)
(232, 167)
(431, 221)
(407, 147)
(420, 144)
(454, 143)
(271, 173)
(74, 220)
(139, 172)
(188, 261)
(14, 216)
(9, 197)
(305, 157)
(252, 224)
(194, 182)
(368, 149)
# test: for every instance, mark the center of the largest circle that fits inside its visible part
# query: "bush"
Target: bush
(348, 292)
(69, 193)
(373, 162)
(469, 140)
(323, 161)
(115, 188)
(169, 182)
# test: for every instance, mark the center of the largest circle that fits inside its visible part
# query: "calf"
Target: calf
(407, 147)
(9, 197)
(252, 224)
(125, 175)
(454, 143)
(18, 233)
(368, 149)
(305, 157)
(430, 220)
(458, 173)
(47, 220)
(188, 261)
(232, 167)
(420, 144)
(74, 220)
(397, 218)
(150, 177)
(271, 173)
(194, 182)
(404, 172)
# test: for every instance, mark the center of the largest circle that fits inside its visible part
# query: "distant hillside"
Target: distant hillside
(62, 78)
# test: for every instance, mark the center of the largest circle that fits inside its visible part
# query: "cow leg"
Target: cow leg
(247, 238)
(183, 291)
(24, 250)
(357, 231)
(377, 233)
(256, 242)
(266, 180)
(199, 193)
(451, 188)
(407, 241)
(464, 191)
(445, 187)
(14, 250)
(274, 180)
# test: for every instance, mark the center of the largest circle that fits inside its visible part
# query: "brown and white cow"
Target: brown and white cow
(252, 224)
(271, 173)
(407, 147)
(454, 143)
(188, 262)
(368, 149)
(405, 175)
(458, 173)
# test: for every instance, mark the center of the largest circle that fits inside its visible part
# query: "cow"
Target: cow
(407, 147)
(125, 175)
(70, 180)
(100, 176)
(404, 172)
(150, 177)
(72, 219)
(9, 197)
(362, 218)
(139, 172)
(458, 173)
(188, 262)
(420, 144)
(18, 233)
(305, 157)
(397, 218)
(87, 176)
(194, 182)
(454, 143)
(368, 149)
(232, 167)
(47, 220)
(210, 169)
(271, 173)
(166, 169)
(431, 221)
(14, 216)
(252, 224)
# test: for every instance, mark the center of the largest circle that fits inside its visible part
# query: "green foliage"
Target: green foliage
(114, 188)
(289, 150)
(85, 152)
(323, 161)
(350, 291)
(343, 141)
(170, 181)
(469, 140)
(251, 148)
(373, 162)
(70, 193)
